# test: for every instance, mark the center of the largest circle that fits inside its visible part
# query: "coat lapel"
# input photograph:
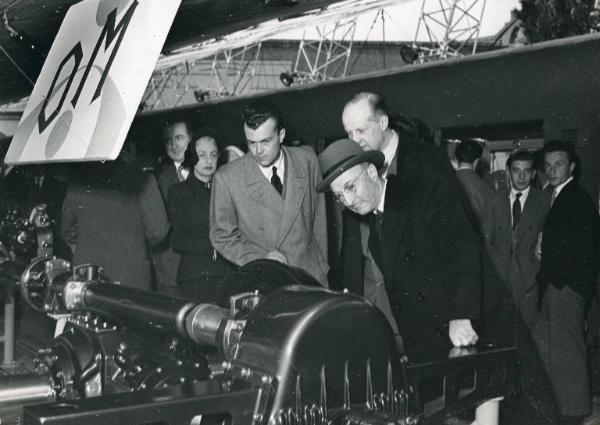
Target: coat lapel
(259, 187)
(296, 184)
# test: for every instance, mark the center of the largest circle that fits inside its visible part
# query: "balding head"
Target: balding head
(366, 120)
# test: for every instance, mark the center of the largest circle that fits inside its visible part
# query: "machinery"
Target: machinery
(271, 347)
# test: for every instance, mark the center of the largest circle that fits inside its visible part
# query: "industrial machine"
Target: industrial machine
(269, 347)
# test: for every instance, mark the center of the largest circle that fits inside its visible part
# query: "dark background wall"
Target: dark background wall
(556, 83)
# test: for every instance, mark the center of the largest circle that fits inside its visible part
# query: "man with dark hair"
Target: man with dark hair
(516, 221)
(264, 205)
(478, 193)
(177, 135)
(566, 281)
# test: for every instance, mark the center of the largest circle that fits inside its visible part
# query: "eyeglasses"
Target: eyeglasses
(349, 188)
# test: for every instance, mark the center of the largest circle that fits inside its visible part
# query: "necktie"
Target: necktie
(276, 181)
(180, 175)
(375, 224)
(516, 210)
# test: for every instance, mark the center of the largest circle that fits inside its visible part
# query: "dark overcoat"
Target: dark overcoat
(430, 260)
(189, 209)
(112, 215)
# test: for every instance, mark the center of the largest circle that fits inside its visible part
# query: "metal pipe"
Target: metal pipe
(203, 323)
(24, 389)
(136, 308)
(198, 322)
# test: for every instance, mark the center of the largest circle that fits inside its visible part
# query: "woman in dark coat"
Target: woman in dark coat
(200, 266)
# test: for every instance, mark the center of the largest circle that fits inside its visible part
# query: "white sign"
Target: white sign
(92, 82)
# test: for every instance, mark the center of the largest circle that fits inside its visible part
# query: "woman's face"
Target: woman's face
(206, 148)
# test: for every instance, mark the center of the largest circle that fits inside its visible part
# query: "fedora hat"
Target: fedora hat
(342, 155)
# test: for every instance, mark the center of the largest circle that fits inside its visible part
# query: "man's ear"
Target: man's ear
(281, 135)
(533, 172)
(384, 122)
(572, 167)
(372, 172)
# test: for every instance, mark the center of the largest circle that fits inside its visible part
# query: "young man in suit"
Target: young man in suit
(177, 135)
(265, 204)
(515, 224)
(566, 280)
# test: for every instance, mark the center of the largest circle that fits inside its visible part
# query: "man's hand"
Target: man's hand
(277, 256)
(461, 333)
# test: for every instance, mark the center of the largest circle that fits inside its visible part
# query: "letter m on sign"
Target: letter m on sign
(108, 34)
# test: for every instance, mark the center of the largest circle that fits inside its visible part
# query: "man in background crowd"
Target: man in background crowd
(478, 193)
(177, 135)
(112, 215)
(567, 281)
(516, 221)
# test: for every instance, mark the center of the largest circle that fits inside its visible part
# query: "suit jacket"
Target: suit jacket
(430, 260)
(166, 261)
(248, 218)
(513, 251)
(166, 177)
(479, 196)
(189, 203)
(570, 243)
(519, 245)
(112, 215)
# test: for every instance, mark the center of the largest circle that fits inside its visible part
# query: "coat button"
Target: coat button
(409, 256)
(421, 296)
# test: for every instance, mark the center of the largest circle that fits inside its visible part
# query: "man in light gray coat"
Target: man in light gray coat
(265, 205)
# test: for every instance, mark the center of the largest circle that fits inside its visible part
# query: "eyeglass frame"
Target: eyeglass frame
(349, 188)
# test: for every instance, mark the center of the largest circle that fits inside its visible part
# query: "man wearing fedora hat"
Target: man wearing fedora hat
(418, 244)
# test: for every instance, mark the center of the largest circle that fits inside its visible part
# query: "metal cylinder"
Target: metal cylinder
(136, 308)
(203, 322)
(24, 389)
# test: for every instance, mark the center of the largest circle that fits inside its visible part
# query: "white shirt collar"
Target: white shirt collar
(184, 171)
(524, 193)
(560, 187)
(381, 205)
(279, 163)
(389, 152)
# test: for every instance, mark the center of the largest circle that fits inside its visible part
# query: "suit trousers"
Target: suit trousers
(524, 293)
(559, 336)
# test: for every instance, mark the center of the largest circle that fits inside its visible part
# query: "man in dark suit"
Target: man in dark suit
(419, 239)
(369, 123)
(567, 280)
(177, 136)
(112, 214)
(478, 193)
(264, 205)
(515, 224)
